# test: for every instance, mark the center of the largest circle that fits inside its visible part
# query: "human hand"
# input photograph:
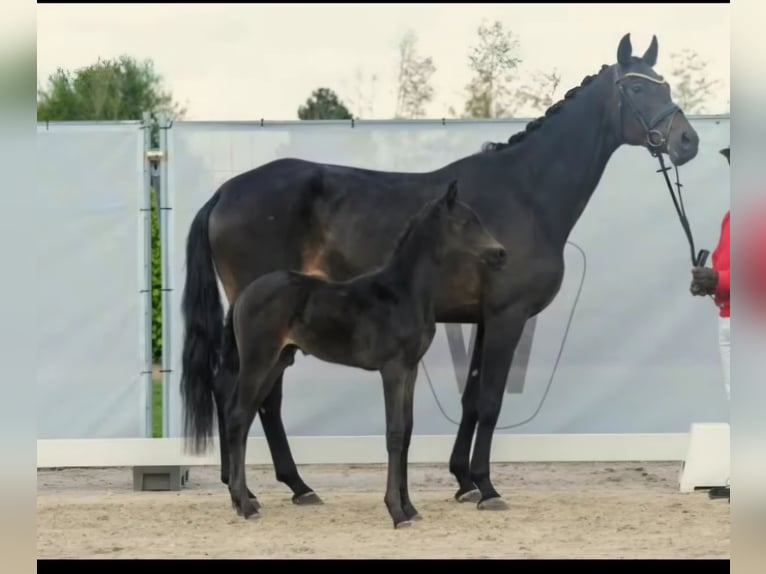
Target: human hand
(704, 281)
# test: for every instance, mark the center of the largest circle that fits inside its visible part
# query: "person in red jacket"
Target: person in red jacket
(715, 282)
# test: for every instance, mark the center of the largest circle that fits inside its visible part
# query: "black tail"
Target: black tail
(203, 318)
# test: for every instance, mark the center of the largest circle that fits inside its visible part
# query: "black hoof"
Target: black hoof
(307, 499)
(405, 524)
(247, 510)
(468, 496)
(255, 502)
(496, 503)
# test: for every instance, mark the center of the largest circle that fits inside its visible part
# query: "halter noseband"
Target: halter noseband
(654, 137)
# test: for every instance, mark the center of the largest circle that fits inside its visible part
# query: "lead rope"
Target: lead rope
(698, 259)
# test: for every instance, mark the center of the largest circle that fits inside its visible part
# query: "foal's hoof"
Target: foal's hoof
(469, 496)
(247, 511)
(255, 502)
(404, 524)
(495, 503)
(307, 499)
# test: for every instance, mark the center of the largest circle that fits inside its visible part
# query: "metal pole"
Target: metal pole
(146, 210)
(165, 207)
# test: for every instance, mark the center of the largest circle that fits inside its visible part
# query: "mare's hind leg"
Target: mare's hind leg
(284, 466)
(409, 397)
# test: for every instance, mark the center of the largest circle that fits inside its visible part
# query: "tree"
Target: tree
(113, 90)
(692, 85)
(109, 90)
(537, 95)
(364, 88)
(414, 88)
(324, 104)
(493, 61)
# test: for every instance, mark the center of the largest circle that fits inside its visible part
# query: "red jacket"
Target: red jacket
(721, 265)
(751, 258)
(751, 255)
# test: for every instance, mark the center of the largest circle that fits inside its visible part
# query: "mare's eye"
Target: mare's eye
(636, 88)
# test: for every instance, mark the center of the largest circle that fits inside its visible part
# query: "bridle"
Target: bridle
(655, 139)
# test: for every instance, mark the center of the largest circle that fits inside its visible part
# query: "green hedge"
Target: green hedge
(156, 283)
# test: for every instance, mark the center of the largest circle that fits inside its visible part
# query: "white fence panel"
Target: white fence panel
(91, 352)
(641, 354)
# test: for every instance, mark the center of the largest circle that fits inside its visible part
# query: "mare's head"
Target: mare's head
(456, 228)
(647, 114)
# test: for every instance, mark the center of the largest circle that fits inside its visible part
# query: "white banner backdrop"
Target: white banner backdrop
(89, 277)
(641, 355)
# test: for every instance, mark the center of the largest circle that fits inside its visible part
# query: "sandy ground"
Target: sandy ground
(561, 510)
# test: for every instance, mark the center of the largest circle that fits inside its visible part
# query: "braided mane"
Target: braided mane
(536, 123)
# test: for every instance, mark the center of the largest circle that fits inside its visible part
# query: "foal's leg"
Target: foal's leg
(223, 389)
(409, 398)
(271, 419)
(239, 411)
(500, 339)
(394, 383)
(253, 385)
(459, 460)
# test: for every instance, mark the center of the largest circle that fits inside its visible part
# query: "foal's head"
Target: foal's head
(456, 228)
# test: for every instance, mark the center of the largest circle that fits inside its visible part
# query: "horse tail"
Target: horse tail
(203, 319)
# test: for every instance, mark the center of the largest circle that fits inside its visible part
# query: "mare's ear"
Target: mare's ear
(650, 56)
(624, 50)
(451, 196)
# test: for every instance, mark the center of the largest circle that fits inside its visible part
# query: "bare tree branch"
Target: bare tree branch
(414, 88)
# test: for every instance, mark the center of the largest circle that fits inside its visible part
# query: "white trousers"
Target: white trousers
(724, 340)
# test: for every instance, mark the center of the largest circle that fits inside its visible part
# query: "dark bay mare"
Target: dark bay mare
(380, 321)
(339, 222)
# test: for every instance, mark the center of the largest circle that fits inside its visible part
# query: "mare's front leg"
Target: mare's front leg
(501, 336)
(409, 399)
(394, 388)
(459, 463)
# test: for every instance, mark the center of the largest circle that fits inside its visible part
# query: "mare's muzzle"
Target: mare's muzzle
(495, 257)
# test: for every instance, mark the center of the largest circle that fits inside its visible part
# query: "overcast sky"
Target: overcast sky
(245, 62)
